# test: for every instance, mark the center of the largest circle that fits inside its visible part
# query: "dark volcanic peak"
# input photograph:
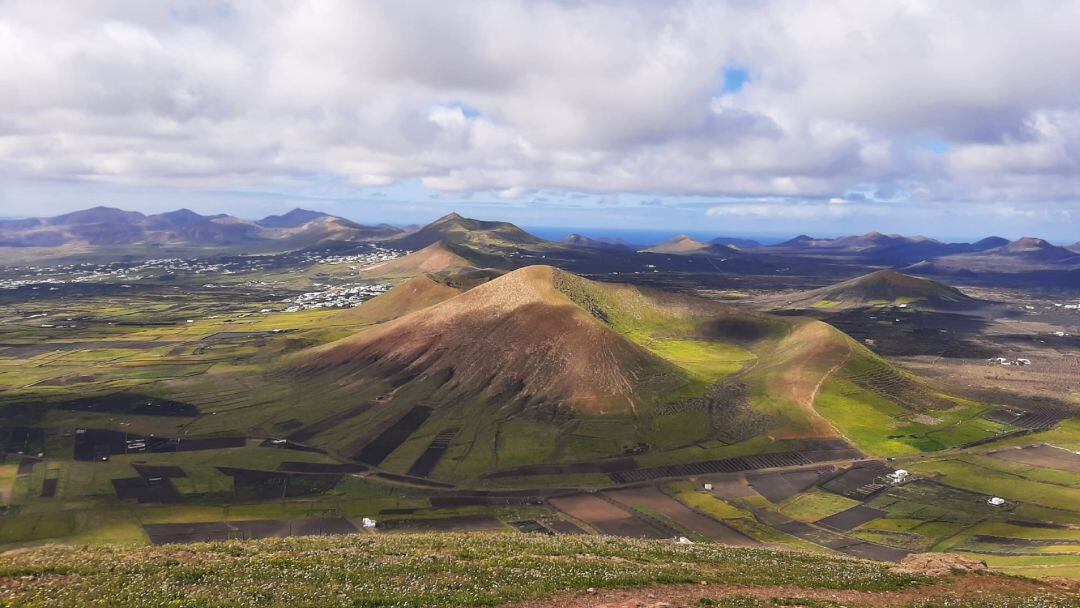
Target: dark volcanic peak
(181, 218)
(296, 217)
(96, 215)
(1035, 249)
(731, 241)
(989, 243)
(456, 229)
(892, 286)
(580, 240)
(802, 239)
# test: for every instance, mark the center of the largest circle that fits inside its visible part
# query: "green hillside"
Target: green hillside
(887, 287)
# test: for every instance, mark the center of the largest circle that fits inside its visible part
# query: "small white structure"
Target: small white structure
(684, 541)
(995, 501)
(368, 523)
(708, 487)
(1023, 361)
(898, 476)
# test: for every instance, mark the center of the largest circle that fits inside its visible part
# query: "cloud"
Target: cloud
(789, 211)
(766, 99)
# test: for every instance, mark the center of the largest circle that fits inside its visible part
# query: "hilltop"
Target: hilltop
(292, 219)
(685, 245)
(580, 240)
(411, 295)
(435, 257)
(1032, 248)
(453, 229)
(887, 287)
(736, 242)
(517, 337)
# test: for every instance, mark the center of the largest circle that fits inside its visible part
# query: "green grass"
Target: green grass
(1066, 435)
(883, 428)
(1034, 566)
(815, 505)
(997, 482)
(433, 570)
(709, 361)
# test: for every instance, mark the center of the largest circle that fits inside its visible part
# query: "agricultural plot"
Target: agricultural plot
(1042, 456)
(844, 544)
(988, 477)
(852, 518)
(652, 501)
(442, 524)
(814, 505)
(837, 450)
(161, 534)
(607, 518)
(778, 487)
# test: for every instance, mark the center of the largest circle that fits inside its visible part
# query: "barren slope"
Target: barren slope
(412, 295)
(516, 336)
(435, 257)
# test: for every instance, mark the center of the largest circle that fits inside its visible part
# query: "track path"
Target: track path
(808, 403)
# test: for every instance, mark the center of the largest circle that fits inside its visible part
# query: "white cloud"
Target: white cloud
(516, 96)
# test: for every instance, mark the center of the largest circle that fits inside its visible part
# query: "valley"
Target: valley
(468, 376)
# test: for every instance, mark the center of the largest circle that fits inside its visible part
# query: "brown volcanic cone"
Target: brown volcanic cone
(517, 338)
(685, 245)
(412, 295)
(433, 258)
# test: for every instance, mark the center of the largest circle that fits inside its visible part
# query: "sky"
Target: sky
(958, 118)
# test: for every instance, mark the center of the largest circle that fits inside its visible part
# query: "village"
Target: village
(341, 296)
(38, 277)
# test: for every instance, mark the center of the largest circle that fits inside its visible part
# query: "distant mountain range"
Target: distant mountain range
(483, 242)
(884, 248)
(1025, 254)
(106, 226)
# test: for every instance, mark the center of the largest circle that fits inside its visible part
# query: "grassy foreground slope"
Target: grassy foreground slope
(460, 570)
